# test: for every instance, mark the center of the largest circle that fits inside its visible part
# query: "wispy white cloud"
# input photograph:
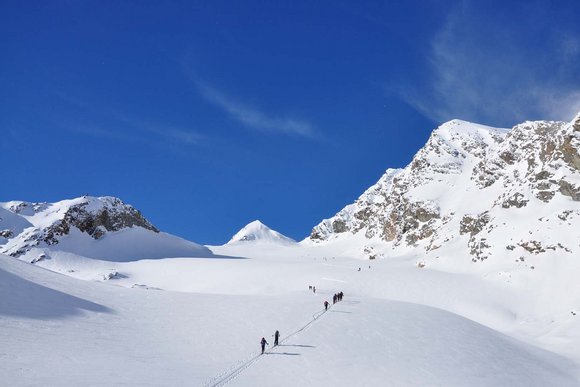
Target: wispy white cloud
(164, 131)
(486, 70)
(121, 127)
(253, 117)
(131, 130)
(94, 131)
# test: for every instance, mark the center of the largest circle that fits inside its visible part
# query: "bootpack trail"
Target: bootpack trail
(233, 372)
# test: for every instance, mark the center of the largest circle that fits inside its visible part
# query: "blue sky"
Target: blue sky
(208, 115)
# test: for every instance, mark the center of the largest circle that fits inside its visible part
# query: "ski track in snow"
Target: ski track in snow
(233, 372)
(180, 338)
(333, 279)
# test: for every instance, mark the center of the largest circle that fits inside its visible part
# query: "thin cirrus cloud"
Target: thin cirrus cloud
(486, 70)
(252, 117)
(119, 127)
(110, 124)
(187, 137)
(129, 130)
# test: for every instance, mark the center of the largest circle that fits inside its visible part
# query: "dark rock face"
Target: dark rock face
(339, 226)
(516, 200)
(315, 235)
(570, 152)
(96, 224)
(570, 190)
(576, 123)
(422, 211)
(534, 247)
(95, 217)
(545, 196)
(468, 168)
(478, 248)
(473, 225)
(6, 233)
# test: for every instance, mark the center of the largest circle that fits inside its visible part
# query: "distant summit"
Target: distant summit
(257, 232)
(94, 227)
(475, 192)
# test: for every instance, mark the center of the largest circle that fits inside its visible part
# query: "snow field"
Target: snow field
(204, 328)
(371, 342)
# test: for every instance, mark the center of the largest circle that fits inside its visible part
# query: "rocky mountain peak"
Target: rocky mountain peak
(464, 184)
(46, 223)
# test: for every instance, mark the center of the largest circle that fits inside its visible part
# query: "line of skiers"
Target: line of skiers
(263, 342)
(337, 297)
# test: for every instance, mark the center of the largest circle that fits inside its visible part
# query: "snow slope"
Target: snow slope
(375, 343)
(205, 331)
(472, 280)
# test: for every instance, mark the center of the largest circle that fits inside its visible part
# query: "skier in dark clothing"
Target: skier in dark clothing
(276, 336)
(263, 342)
(334, 299)
(325, 305)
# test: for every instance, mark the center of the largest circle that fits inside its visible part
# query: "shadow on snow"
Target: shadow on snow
(22, 298)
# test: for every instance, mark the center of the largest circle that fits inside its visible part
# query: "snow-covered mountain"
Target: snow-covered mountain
(94, 227)
(477, 192)
(490, 216)
(257, 232)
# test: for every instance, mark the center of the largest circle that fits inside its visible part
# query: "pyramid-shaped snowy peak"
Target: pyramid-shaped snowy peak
(257, 232)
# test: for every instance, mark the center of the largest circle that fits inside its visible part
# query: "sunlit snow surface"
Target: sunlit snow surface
(139, 308)
(198, 322)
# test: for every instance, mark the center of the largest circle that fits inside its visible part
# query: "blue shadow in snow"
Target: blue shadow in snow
(23, 298)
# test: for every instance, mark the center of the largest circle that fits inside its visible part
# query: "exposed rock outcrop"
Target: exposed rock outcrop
(498, 174)
(90, 215)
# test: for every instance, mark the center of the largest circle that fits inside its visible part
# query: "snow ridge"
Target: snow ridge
(477, 191)
(95, 227)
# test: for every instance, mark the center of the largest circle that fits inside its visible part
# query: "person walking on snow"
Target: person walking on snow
(276, 336)
(263, 342)
(325, 305)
